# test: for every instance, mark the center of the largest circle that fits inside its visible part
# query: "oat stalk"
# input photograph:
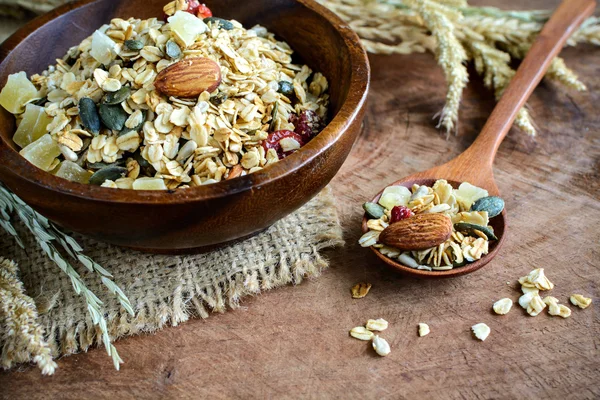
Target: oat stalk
(47, 234)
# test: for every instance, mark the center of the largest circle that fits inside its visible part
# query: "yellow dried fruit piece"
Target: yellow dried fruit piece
(187, 27)
(42, 152)
(33, 125)
(17, 91)
(580, 301)
(467, 194)
(70, 171)
(395, 196)
(360, 290)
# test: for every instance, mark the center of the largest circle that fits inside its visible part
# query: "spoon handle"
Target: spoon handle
(561, 25)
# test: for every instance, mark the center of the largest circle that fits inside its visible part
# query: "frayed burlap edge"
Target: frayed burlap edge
(192, 300)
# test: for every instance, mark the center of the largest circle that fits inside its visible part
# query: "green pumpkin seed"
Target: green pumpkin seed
(374, 210)
(471, 228)
(141, 160)
(134, 44)
(89, 115)
(113, 117)
(492, 204)
(107, 173)
(172, 49)
(222, 23)
(100, 165)
(117, 97)
(286, 88)
(274, 117)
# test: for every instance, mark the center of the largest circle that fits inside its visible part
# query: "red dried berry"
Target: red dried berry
(307, 124)
(274, 139)
(202, 11)
(399, 213)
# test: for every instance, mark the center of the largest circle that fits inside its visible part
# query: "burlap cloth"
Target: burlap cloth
(168, 290)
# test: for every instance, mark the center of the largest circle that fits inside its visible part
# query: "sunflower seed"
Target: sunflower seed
(89, 115)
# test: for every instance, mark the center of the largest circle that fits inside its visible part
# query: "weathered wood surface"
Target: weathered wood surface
(293, 342)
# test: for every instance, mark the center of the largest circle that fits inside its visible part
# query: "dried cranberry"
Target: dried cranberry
(274, 139)
(307, 124)
(399, 213)
(202, 11)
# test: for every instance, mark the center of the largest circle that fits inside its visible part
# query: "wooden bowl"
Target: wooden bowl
(191, 219)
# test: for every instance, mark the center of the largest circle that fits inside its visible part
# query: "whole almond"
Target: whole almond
(417, 233)
(189, 77)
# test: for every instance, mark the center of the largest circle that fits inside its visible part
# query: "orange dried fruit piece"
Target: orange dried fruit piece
(17, 91)
(33, 125)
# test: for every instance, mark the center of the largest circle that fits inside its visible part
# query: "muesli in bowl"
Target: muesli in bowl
(154, 105)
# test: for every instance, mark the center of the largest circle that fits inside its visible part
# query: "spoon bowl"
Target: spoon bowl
(498, 223)
(475, 165)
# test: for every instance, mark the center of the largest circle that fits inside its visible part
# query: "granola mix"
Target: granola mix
(444, 243)
(97, 117)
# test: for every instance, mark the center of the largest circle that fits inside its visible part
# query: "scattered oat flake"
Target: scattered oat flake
(580, 301)
(503, 306)
(481, 331)
(377, 324)
(361, 333)
(536, 279)
(423, 329)
(360, 290)
(381, 346)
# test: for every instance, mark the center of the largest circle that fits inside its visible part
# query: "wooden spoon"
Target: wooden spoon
(475, 164)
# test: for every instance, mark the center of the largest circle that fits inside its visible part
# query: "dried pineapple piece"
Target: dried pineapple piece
(73, 172)
(33, 125)
(17, 91)
(42, 152)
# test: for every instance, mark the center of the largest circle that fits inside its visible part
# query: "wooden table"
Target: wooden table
(294, 343)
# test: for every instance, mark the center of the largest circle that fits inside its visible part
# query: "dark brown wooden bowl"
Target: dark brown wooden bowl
(186, 220)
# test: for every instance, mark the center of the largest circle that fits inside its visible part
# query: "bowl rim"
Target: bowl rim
(348, 112)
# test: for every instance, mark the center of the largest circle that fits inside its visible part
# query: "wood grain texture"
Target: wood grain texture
(475, 165)
(294, 343)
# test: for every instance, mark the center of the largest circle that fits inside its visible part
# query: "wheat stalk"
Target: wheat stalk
(46, 234)
(410, 26)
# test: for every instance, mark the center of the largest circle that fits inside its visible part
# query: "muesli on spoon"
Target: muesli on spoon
(434, 228)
